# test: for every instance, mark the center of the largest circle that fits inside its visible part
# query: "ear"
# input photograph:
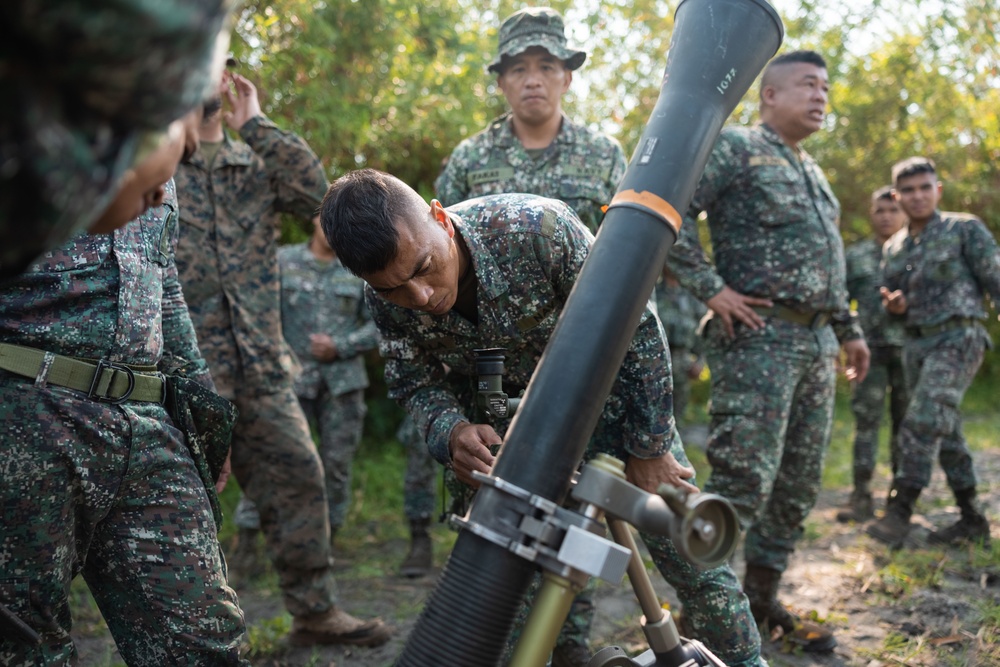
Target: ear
(767, 95)
(895, 195)
(940, 188)
(569, 78)
(441, 217)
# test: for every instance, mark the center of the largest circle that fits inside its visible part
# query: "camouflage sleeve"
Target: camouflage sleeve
(618, 167)
(180, 343)
(416, 380)
(296, 173)
(846, 325)
(983, 257)
(649, 428)
(688, 259)
(451, 186)
(362, 338)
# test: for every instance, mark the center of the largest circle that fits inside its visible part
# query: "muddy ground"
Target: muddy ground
(838, 575)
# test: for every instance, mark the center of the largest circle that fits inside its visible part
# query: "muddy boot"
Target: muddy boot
(337, 627)
(244, 562)
(972, 527)
(418, 561)
(570, 655)
(761, 588)
(859, 507)
(893, 528)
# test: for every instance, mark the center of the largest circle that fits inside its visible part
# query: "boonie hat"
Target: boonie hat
(535, 26)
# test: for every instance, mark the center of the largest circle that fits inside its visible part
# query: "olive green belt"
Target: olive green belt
(814, 319)
(947, 325)
(102, 380)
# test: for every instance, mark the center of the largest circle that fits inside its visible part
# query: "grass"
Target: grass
(376, 516)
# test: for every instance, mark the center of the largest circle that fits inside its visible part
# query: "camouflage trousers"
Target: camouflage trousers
(885, 377)
(939, 370)
(715, 607)
(681, 361)
(276, 464)
(771, 418)
(419, 493)
(339, 422)
(109, 492)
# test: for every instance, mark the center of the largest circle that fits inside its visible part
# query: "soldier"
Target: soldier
(83, 85)
(937, 270)
(534, 147)
(232, 195)
(496, 272)
(775, 289)
(327, 325)
(680, 313)
(884, 336)
(95, 477)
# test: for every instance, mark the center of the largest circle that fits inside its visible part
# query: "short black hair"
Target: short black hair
(801, 56)
(789, 58)
(884, 192)
(912, 166)
(358, 216)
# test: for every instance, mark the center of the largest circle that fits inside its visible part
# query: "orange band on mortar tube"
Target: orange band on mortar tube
(653, 202)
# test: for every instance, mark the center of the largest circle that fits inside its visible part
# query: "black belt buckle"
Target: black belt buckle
(110, 365)
(820, 320)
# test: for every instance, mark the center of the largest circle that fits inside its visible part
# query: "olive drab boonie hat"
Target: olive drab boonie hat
(535, 26)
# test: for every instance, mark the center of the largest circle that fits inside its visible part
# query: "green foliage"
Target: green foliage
(266, 638)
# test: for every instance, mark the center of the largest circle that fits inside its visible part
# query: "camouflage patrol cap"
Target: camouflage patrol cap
(83, 81)
(535, 26)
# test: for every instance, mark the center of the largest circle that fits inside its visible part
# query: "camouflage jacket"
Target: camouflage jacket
(944, 271)
(774, 225)
(864, 278)
(98, 296)
(581, 167)
(227, 253)
(680, 313)
(526, 252)
(323, 297)
(81, 83)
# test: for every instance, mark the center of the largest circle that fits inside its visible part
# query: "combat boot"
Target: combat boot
(419, 560)
(570, 655)
(893, 528)
(761, 588)
(859, 507)
(971, 527)
(336, 626)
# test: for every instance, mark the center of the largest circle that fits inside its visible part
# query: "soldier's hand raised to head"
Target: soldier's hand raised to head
(243, 103)
(469, 445)
(730, 305)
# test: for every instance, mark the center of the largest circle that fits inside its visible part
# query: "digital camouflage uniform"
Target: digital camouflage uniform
(581, 167)
(884, 335)
(82, 82)
(227, 258)
(323, 297)
(527, 252)
(944, 273)
(680, 314)
(773, 222)
(103, 490)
